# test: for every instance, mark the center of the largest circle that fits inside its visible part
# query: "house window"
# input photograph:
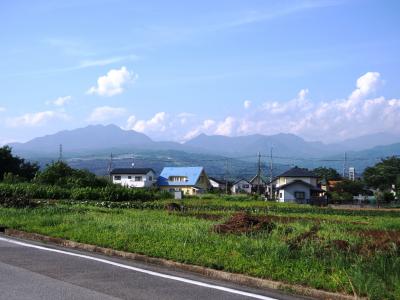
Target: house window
(300, 195)
(280, 195)
(150, 178)
(117, 177)
(178, 178)
(245, 186)
(129, 177)
(138, 178)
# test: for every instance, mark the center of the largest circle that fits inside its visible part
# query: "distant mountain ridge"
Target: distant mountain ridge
(103, 139)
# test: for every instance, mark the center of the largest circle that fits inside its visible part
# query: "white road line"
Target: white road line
(176, 278)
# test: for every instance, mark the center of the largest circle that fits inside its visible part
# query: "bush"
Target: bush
(16, 202)
(111, 193)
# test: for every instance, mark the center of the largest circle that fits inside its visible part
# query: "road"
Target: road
(32, 270)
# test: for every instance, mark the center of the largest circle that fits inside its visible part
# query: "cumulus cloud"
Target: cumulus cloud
(104, 113)
(328, 121)
(60, 101)
(158, 123)
(247, 104)
(36, 119)
(203, 128)
(113, 83)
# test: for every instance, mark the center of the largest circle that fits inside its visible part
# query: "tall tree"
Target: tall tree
(384, 174)
(327, 173)
(16, 165)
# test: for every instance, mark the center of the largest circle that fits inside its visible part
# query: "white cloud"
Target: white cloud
(113, 83)
(60, 101)
(104, 113)
(36, 119)
(366, 84)
(227, 126)
(247, 104)
(203, 128)
(158, 123)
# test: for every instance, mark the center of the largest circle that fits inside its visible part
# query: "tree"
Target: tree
(60, 173)
(327, 173)
(349, 187)
(384, 174)
(15, 165)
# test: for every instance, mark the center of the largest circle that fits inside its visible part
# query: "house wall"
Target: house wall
(288, 194)
(186, 190)
(240, 187)
(130, 182)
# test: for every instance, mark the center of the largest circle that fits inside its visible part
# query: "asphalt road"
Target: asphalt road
(31, 270)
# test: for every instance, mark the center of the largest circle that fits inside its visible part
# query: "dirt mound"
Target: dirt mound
(341, 245)
(383, 240)
(297, 242)
(244, 223)
(173, 207)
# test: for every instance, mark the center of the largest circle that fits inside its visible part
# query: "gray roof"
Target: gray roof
(312, 187)
(133, 171)
(298, 172)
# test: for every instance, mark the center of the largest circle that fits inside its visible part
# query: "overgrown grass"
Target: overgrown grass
(315, 262)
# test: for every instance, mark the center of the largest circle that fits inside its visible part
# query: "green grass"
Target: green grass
(190, 240)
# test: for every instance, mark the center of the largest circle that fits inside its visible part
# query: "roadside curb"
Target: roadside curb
(211, 273)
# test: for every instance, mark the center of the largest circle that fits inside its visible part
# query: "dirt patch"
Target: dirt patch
(173, 206)
(297, 242)
(341, 245)
(378, 240)
(244, 223)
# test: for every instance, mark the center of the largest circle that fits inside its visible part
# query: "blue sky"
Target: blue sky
(324, 70)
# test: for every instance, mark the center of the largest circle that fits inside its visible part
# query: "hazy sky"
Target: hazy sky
(325, 70)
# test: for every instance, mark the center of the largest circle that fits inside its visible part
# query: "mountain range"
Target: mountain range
(287, 149)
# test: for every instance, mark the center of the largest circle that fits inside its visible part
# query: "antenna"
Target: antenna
(110, 163)
(133, 160)
(226, 176)
(344, 164)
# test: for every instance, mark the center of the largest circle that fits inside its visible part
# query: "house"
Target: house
(188, 180)
(297, 185)
(217, 184)
(258, 184)
(241, 186)
(134, 177)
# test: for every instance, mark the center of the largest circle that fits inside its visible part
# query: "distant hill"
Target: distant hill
(89, 140)
(282, 144)
(90, 146)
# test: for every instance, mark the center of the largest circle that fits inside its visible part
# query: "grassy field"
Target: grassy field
(334, 250)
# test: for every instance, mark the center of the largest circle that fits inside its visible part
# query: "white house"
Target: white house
(296, 185)
(241, 186)
(134, 177)
(217, 184)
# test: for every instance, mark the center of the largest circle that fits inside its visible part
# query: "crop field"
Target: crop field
(347, 251)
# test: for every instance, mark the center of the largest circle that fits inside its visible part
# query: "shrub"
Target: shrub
(16, 202)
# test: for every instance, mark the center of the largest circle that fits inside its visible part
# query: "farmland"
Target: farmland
(354, 252)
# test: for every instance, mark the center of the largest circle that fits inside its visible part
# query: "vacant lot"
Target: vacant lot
(344, 251)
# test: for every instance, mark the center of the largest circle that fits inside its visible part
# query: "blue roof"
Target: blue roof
(191, 173)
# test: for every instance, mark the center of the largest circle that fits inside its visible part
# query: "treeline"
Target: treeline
(23, 180)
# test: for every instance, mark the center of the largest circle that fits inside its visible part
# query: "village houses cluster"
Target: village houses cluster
(295, 185)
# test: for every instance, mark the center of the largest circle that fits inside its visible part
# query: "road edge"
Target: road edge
(210, 273)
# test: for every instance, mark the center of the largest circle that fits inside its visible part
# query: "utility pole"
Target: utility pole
(110, 165)
(271, 176)
(259, 173)
(226, 176)
(60, 153)
(344, 164)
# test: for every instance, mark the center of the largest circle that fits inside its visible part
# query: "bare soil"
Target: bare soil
(245, 223)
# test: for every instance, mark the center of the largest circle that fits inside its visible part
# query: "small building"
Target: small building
(217, 184)
(297, 185)
(188, 180)
(134, 177)
(241, 186)
(258, 184)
